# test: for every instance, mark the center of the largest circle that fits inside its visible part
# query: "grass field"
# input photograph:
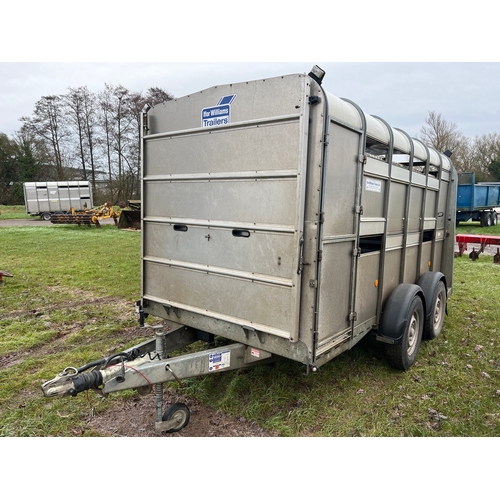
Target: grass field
(71, 301)
(13, 212)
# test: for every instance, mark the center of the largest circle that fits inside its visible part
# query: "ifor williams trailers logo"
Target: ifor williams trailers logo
(218, 115)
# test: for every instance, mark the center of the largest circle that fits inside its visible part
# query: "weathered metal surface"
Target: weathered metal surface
(153, 368)
(223, 207)
(277, 215)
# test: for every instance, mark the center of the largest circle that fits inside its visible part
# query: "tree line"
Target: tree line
(95, 136)
(480, 155)
(80, 135)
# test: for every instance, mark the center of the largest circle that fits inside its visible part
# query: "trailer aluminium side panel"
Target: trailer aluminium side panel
(46, 198)
(286, 220)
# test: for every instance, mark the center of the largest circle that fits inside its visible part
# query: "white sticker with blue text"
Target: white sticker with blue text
(373, 185)
(216, 116)
(219, 360)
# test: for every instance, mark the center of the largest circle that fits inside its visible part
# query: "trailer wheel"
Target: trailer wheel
(403, 354)
(45, 216)
(434, 322)
(178, 412)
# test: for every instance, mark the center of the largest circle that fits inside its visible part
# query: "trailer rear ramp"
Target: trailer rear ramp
(224, 207)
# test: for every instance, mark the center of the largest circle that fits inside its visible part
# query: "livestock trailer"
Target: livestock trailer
(477, 201)
(45, 199)
(287, 221)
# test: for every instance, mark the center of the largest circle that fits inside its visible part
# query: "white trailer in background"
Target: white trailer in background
(288, 221)
(44, 199)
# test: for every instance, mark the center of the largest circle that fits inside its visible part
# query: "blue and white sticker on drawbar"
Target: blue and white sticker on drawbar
(219, 360)
(216, 116)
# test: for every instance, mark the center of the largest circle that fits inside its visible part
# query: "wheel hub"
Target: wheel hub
(413, 330)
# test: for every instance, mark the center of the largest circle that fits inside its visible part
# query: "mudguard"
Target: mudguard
(395, 313)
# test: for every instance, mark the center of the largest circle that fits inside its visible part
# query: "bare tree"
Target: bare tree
(90, 124)
(443, 135)
(136, 103)
(488, 147)
(100, 131)
(157, 95)
(74, 112)
(106, 113)
(48, 123)
(119, 137)
(439, 133)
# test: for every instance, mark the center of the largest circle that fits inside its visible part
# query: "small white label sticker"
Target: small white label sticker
(255, 352)
(219, 360)
(373, 185)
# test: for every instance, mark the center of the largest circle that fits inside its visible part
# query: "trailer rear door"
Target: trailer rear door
(223, 204)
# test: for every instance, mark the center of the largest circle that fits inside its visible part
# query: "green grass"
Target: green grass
(72, 298)
(475, 228)
(13, 212)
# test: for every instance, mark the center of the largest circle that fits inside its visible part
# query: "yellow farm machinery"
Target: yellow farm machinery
(88, 217)
(123, 219)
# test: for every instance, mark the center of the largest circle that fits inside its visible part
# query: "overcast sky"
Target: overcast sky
(467, 94)
(402, 93)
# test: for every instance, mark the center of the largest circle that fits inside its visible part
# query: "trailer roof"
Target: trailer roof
(349, 114)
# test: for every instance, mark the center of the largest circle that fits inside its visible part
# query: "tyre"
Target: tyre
(402, 355)
(485, 219)
(45, 216)
(494, 218)
(179, 413)
(434, 321)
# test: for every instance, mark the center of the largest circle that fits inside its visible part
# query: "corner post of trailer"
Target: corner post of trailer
(383, 250)
(323, 164)
(422, 209)
(436, 210)
(448, 260)
(407, 206)
(144, 132)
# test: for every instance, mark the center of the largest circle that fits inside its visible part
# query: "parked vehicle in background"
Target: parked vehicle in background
(44, 199)
(479, 202)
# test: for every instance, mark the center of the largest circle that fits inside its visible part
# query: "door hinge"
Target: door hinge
(362, 159)
(353, 316)
(359, 209)
(313, 283)
(320, 255)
